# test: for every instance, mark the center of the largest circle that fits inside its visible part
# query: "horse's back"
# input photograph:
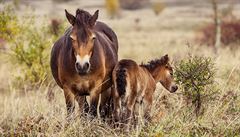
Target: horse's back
(105, 29)
(128, 64)
(54, 59)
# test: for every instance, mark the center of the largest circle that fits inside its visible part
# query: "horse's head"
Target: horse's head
(82, 38)
(162, 72)
(166, 75)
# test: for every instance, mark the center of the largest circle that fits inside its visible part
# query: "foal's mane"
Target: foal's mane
(151, 65)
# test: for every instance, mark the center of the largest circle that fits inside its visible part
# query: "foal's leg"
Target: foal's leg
(148, 99)
(116, 103)
(130, 110)
(69, 99)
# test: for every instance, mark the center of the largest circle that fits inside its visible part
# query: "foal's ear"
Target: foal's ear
(166, 59)
(70, 17)
(94, 18)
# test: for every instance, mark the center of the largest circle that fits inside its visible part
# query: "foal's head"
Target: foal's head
(82, 38)
(162, 72)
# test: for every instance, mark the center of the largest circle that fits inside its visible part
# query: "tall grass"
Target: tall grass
(29, 113)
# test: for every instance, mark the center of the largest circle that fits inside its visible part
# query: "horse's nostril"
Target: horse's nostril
(86, 66)
(175, 88)
(78, 65)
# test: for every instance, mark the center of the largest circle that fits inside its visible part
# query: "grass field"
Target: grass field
(173, 32)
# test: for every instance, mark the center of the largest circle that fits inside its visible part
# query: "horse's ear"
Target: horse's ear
(166, 59)
(70, 17)
(94, 18)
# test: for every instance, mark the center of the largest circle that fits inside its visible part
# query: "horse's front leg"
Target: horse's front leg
(83, 105)
(147, 102)
(94, 98)
(105, 104)
(69, 98)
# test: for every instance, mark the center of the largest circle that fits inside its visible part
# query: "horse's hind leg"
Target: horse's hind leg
(69, 99)
(116, 103)
(130, 111)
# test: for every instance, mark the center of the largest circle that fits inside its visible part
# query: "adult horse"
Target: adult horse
(82, 60)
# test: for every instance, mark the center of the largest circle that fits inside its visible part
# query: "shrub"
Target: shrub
(29, 50)
(230, 33)
(29, 46)
(158, 7)
(112, 7)
(8, 23)
(194, 75)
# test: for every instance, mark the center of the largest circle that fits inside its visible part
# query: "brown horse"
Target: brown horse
(82, 60)
(136, 83)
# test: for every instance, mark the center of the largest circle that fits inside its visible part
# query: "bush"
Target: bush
(158, 7)
(29, 46)
(230, 33)
(29, 51)
(194, 75)
(112, 7)
(8, 23)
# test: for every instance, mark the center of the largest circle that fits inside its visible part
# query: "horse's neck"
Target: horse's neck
(67, 55)
(96, 59)
(154, 74)
(147, 71)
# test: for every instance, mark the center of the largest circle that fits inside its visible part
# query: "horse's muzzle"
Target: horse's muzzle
(82, 69)
(174, 88)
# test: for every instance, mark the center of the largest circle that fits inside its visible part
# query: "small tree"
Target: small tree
(195, 74)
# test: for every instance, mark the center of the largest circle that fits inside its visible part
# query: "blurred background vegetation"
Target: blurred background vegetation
(201, 37)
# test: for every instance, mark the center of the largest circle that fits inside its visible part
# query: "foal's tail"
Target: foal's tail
(121, 80)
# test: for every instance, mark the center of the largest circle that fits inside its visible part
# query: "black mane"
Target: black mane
(82, 17)
(82, 21)
(151, 65)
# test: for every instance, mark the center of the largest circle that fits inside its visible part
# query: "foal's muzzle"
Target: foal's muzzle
(174, 88)
(82, 69)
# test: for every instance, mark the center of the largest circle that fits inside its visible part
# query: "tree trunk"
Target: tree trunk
(217, 23)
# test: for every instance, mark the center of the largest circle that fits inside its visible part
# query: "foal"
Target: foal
(136, 83)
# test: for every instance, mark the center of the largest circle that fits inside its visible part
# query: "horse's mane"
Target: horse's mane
(82, 17)
(82, 21)
(151, 65)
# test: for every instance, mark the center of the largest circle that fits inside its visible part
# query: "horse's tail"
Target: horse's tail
(121, 81)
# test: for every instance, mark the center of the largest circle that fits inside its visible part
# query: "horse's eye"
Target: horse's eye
(93, 38)
(171, 73)
(72, 39)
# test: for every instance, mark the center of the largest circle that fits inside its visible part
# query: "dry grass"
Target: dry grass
(30, 113)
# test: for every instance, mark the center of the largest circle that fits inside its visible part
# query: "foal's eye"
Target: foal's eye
(72, 39)
(93, 38)
(171, 73)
